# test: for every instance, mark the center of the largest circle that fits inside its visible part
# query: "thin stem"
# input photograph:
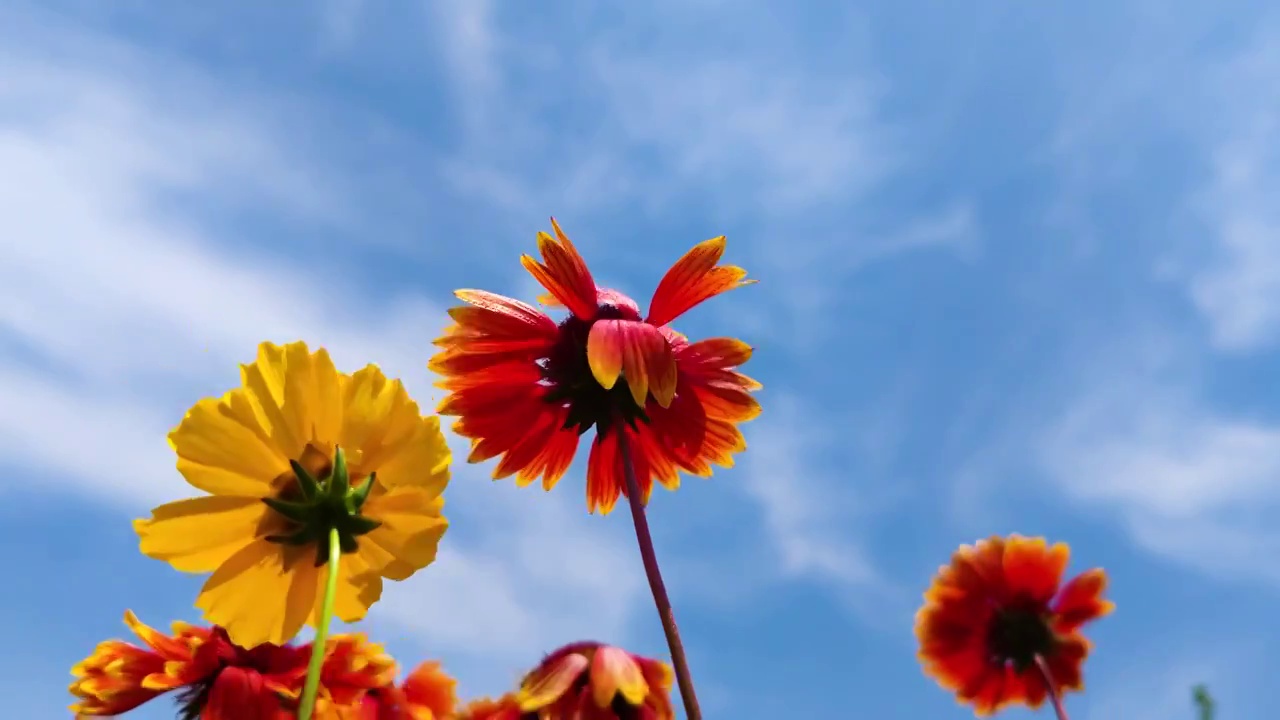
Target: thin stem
(650, 559)
(1054, 696)
(312, 685)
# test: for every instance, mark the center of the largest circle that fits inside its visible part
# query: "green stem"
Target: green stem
(312, 685)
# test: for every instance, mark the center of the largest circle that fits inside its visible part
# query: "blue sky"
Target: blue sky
(1019, 272)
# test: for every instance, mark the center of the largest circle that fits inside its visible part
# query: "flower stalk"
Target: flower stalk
(1055, 697)
(684, 679)
(312, 685)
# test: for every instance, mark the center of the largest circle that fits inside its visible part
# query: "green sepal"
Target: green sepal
(339, 483)
(358, 495)
(298, 512)
(307, 484)
(357, 525)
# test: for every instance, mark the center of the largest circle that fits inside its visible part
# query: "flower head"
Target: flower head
(218, 679)
(504, 708)
(593, 681)
(358, 682)
(997, 611)
(297, 450)
(525, 387)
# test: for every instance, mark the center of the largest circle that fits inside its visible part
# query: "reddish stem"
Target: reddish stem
(1054, 696)
(668, 617)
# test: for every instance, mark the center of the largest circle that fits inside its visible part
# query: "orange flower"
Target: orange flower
(504, 708)
(997, 611)
(525, 387)
(592, 681)
(358, 683)
(219, 680)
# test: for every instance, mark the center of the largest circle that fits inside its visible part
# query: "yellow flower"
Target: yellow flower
(270, 454)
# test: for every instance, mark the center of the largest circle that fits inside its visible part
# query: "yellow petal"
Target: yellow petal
(378, 418)
(552, 683)
(421, 460)
(222, 454)
(297, 394)
(199, 534)
(359, 587)
(410, 532)
(613, 671)
(263, 593)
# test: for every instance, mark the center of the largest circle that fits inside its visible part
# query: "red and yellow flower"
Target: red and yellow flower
(358, 683)
(525, 387)
(592, 681)
(999, 613)
(218, 680)
(504, 708)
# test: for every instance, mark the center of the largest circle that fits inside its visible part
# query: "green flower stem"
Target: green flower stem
(312, 685)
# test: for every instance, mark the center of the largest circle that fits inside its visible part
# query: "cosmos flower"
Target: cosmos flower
(358, 683)
(218, 680)
(525, 387)
(297, 450)
(999, 613)
(592, 681)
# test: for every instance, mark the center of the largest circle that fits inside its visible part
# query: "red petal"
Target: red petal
(1081, 600)
(1033, 569)
(636, 351)
(694, 278)
(239, 694)
(564, 274)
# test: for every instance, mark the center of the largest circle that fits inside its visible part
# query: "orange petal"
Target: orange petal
(1034, 568)
(1080, 600)
(636, 351)
(613, 671)
(694, 278)
(564, 274)
(552, 683)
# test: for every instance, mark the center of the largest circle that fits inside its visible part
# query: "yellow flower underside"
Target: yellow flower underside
(237, 449)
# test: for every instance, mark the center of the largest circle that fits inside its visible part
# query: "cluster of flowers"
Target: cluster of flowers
(317, 486)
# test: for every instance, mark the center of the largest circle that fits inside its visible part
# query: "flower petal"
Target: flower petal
(233, 595)
(429, 687)
(1033, 568)
(199, 534)
(551, 683)
(564, 274)
(410, 532)
(693, 279)
(1080, 601)
(614, 672)
(223, 450)
(636, 351)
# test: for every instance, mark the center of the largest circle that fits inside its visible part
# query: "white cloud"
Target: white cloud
(1187, 483)
(118, 309)
(815, 519)
(1238, 291)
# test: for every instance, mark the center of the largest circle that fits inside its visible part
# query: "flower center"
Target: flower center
(315, 506)
(567, 373)
(1017, 636)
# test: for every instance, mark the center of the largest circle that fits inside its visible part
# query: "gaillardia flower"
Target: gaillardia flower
(297, 451)
(998, 619)
(218, 679)
(591, 681)
(358, 683)
(525, 387)
(504, 708)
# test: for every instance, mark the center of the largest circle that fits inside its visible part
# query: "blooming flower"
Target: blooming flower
(1000, 609)
(218, 680)
(592, 681)
(504, 708)
(525, 387)
(297, 449)
(358, 681)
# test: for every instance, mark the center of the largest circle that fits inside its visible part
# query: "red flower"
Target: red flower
(591, 681)
(218, 680)
(524, 387)
(997, 612)
(360, 688)
(504, 708)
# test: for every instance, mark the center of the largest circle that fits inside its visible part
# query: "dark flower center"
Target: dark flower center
(568, 375)
(1017, 636)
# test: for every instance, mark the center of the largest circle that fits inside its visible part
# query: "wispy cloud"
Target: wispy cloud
(121, 306)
